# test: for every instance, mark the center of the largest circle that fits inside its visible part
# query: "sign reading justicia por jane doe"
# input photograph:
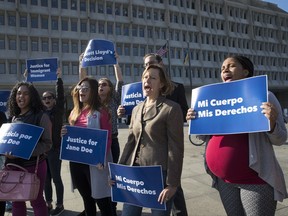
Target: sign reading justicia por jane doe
(231, 107)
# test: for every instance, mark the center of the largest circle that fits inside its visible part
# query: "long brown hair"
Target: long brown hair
(94, 103)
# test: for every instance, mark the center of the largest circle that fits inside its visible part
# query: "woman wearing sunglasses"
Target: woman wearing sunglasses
(88, 112)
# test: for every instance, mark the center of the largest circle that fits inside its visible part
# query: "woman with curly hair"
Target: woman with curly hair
(25, 105)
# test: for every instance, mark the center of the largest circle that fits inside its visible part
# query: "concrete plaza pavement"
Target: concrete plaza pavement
(201, 199)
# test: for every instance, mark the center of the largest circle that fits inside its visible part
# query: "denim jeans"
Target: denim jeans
(54, 172)
(131, 210)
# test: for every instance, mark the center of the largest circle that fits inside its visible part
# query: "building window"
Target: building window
(74, 47)
(92, 7)
(12, 44)
(64, 25)
(83, 5)
(83, 26)
(45, 46)
(102, 71)
(101, 28)
(34, 2)
(2, 43)
(73, 4)
(11, 20)
(23, 1)
(23, 44)
(118, 29)
(117, 9)
(108, 8)
(44, 3)
(34, 22)
(126, 30)
(55, 46)
(74, 25)
(44, 22)
(65, 66)
(75, 68)
(54, 3)
(110, 28)
(100, 7)
(23, 21)
(2, 19)
(54, 23)
(127, 70)
(64, 4)
(134, 31)
(125, 11)
(12, 68)
(127, 50)
(2, 67)
(34, 45)
(65, 47)
(92, 27)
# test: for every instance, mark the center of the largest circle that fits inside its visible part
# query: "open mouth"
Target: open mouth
(227, 78)
(147, 88)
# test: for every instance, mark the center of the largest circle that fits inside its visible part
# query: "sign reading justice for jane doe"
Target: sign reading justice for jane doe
(84, 145)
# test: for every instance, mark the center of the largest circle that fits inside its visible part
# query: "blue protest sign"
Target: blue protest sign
(42, 69)
(137, 185)
(4, 95)
(132, 94)
(19, 138)
(99, 52)
(84, 145)
(231, 107)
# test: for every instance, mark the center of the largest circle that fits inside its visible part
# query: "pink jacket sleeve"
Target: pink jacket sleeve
(105, 124)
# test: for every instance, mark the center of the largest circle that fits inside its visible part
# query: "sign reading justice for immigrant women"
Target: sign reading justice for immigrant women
(231, 107)
(42, 69)
(137, 185)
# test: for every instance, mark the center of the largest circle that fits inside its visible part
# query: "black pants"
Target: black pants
(179, 202)
(80, 174)
(81, 180)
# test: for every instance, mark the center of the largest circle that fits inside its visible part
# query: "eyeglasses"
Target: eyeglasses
(82, 88)
(149, 63)
(103, 84)
(47, 97)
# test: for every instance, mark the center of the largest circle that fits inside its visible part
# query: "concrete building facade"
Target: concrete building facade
(209, 30)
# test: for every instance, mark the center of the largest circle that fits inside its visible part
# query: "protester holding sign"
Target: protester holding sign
(156, 136)
(90, 181)
(54, 107)
(110, 98)
(24, 105)
(243, 166)
(178, 96)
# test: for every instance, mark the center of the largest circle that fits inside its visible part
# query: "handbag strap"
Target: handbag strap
(37, 162)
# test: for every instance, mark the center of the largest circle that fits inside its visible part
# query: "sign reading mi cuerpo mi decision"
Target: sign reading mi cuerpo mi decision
(232, 107)
(99, 52)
